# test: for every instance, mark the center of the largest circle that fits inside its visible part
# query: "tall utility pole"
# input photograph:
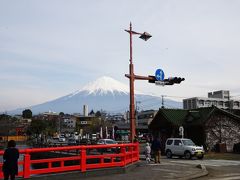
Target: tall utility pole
(151, 79)
(145, 36)
(132, 105)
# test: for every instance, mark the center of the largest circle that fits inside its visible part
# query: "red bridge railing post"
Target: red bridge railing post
(123, 151)
(26, 164)
(83, 159)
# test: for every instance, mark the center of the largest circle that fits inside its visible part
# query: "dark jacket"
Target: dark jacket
(10, 161)
(156, 145)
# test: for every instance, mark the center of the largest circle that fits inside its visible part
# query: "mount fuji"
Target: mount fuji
(105, 94)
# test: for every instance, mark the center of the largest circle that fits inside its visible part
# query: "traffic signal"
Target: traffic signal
(168, 81)
(174, 80)
(152, 79)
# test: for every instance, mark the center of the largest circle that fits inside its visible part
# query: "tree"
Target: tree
(94, 127)
(61, 114)
(7, 125)
(37, 127)
(98, 114)
(27, 113)
(43, 127)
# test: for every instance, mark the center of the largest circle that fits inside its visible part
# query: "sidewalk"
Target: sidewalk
(140, 171)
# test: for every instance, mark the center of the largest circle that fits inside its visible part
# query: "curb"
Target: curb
(198, 175)
(204, 171)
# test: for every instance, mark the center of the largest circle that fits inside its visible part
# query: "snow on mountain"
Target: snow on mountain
(104, 93)
(105, 85)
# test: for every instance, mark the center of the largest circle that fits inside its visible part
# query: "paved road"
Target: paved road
(222, 173)
(217, 169)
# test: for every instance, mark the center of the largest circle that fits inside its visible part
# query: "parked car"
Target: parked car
(61, 139)
(183, 148)
(53, 140)
(108, 142)
(72, 141)
(84, 141)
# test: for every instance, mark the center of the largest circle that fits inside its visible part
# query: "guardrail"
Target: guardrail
(75, 158)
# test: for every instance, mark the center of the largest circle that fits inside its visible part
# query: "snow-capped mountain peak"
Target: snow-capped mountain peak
(104, 85)
(104, 93)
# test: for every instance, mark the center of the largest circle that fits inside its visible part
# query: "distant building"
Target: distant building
(50, 115)
(70, 122)
(85, 110)
(220, 99)
(115, 117)
(143, 119)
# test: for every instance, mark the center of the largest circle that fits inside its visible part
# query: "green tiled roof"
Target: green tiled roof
(192, 117)
(199, 116)
(175, 116)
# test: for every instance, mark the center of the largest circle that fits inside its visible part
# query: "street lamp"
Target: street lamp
(145, 36)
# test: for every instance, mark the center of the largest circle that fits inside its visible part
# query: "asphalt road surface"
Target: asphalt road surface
(217, 169)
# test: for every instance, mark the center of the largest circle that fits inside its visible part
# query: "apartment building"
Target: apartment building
(220, 99)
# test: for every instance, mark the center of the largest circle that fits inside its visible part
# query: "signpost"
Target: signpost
(181, 131)
(159, 75)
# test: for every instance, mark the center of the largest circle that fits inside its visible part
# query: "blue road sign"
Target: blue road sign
(159, 74)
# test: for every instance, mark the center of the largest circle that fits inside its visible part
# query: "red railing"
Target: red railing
(75, 158)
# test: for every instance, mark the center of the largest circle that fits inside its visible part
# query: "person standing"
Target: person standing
(148, 153)
(10, 161)
(156, 148)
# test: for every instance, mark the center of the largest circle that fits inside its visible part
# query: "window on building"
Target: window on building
(194, 104)
(214, 103)
(220, 103)
(201, 102)
(208, 103)
(226, 104)
(236, 103)
(185, 104)
(189, 104)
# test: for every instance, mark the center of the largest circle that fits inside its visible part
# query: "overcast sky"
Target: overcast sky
(51, 48)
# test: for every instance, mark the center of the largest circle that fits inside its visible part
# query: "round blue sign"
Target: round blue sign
(159, 74)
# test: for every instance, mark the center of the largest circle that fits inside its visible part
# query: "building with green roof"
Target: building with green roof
(205, 126)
